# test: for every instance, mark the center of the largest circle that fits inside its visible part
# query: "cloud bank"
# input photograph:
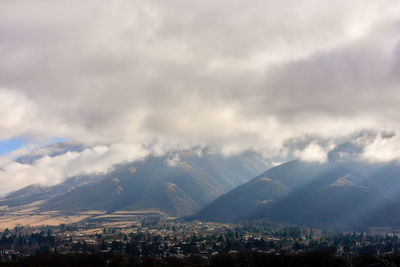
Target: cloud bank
(234, 75)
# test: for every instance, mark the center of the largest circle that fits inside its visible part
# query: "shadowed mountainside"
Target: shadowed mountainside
(178, 183)
(342, 192)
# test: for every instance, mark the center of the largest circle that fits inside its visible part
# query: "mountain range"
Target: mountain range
(345, 191)
(177, 183)
(342, 192)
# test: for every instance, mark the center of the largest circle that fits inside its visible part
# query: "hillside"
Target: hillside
(339, 193)
(178, 183)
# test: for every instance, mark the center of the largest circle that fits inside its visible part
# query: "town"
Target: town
(152, 241)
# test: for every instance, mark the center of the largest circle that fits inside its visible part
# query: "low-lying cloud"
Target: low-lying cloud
(52, 170)
(235, 75)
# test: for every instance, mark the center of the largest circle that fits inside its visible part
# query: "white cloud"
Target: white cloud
(230, 74)
(383, 149)
(313, 153)
(173, 160)
(53, 170)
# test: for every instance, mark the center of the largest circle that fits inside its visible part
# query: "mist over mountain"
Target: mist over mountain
(178, 183)
(342, 192)
(125, 77)
(49, 151)
(345, 190)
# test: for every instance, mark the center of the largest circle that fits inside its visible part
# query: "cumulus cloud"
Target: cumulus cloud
(235, 75)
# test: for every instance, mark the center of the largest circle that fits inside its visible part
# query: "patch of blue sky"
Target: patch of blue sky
(12, 144)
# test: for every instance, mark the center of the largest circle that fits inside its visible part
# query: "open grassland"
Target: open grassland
(31, 215)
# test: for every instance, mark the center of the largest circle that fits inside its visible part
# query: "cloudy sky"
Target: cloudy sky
(127, 78)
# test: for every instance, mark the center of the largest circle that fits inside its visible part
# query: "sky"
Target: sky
(10, 145)
(131, 78)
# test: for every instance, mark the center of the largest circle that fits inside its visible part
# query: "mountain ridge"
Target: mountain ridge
(341, 192)
(178, 183)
